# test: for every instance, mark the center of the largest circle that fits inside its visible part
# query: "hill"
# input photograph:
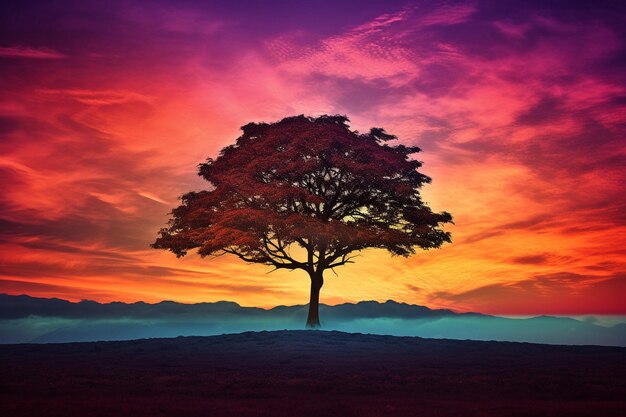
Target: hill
(311, 373)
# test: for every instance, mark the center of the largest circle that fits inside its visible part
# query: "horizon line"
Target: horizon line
(505, 315)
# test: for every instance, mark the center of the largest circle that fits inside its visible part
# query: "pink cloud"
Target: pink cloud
(513, 30)
(445, 15)
(376, 50)
(97, 97)
(28, 52)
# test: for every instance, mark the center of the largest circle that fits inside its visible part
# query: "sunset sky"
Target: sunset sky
(106, 109)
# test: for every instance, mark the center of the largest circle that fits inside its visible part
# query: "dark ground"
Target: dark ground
(311, 373)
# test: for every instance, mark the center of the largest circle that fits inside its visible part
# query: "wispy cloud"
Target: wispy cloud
(558, 293)
(28, 52)
(97, 97)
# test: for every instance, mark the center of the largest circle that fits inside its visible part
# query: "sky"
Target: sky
(107, 108)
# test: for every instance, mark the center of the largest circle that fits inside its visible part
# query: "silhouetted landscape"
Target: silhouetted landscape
(311, 373)
(25, 319)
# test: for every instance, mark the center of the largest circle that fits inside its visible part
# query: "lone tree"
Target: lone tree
(306, 193)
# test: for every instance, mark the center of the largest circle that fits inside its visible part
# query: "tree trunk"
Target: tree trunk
(313, 319)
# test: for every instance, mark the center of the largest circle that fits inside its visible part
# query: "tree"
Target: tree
(307, 193)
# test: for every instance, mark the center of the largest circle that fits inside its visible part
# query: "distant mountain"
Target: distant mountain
(42, 320)
(22, 306)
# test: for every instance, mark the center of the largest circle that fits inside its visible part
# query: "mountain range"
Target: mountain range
(25, 319)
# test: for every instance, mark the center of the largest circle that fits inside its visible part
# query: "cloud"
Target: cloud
(28, 52)
(376, 50)
(532, 259)
(98, 97)
(153, 197)
(555, 293)
(51, 290)
(513, 30)
(173, 18)
(445, 15)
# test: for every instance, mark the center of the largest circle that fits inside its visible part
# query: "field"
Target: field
(311, 373)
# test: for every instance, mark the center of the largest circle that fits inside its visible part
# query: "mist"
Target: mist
(37, 329)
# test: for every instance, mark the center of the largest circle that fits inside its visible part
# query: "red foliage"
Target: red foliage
(311, 182)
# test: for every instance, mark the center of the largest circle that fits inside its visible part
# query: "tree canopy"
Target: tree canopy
(312, 183)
